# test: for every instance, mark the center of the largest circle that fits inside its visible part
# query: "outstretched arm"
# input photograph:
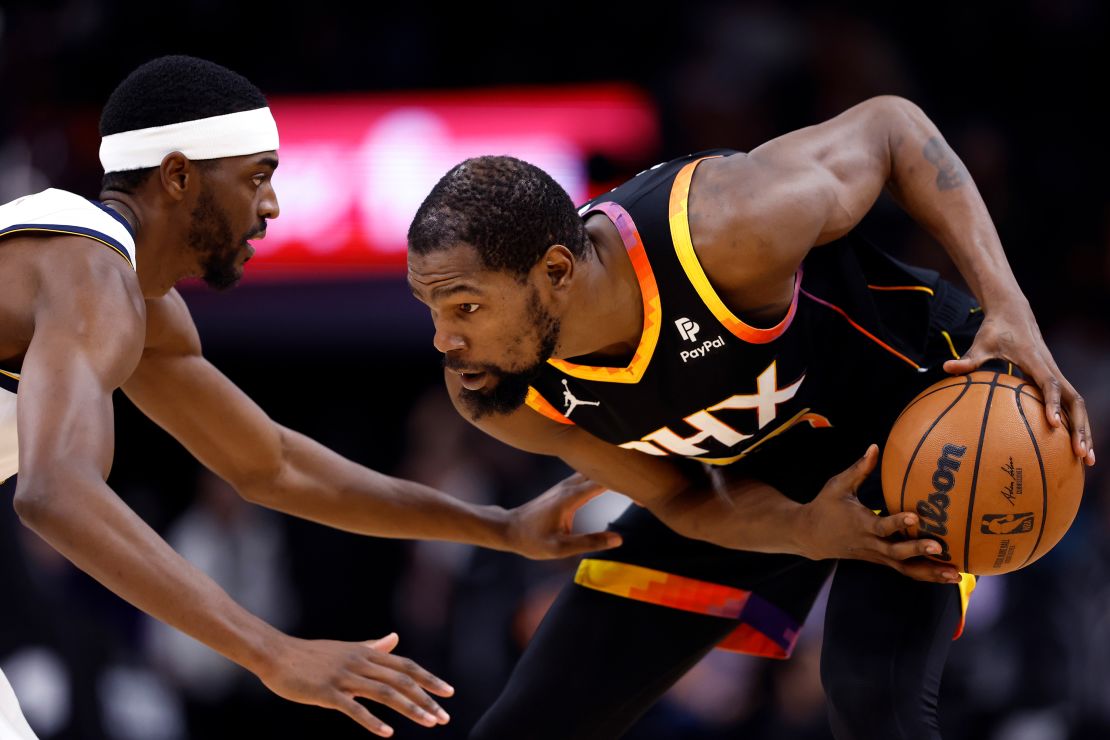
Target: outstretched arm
(88, 337)
(739, 514)
(277, 467)
(814, 185)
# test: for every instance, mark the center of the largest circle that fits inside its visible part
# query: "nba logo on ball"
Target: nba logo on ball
(974, 457)
(1007, 523)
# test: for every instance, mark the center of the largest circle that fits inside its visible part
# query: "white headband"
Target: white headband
(231, 135)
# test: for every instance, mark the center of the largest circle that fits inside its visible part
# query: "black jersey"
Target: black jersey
(790, 404)
(704, 384)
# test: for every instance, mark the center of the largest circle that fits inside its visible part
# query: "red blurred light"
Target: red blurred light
(354, 169)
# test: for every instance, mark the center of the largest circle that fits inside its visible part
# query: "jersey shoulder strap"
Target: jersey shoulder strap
(60, 212)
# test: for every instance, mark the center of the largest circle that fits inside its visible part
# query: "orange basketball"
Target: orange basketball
(989, 479)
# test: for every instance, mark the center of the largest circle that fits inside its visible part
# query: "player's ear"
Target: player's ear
(558, 265)
(175, 173)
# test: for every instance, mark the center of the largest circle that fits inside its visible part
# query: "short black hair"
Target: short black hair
(172, 89)
(509, 210)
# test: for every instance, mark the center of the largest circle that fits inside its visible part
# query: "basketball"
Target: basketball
(988, 478)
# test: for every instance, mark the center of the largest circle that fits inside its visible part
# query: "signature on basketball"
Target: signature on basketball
(1011, 490)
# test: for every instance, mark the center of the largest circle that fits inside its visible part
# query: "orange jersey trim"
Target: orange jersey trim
(922, 288)
(653, 313)
(539, 404)
(763, 628)
(815, 420)
(684, 248)
(863, 331)
(750, 641)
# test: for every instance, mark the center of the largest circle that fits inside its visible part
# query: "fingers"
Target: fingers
(385, 644)
(401, 694)
(577, 491)
(910, 557)
(962, 366)
(578, 544)
(888, 526)
(1050, 389)
(853, 477)
(410, 669)
(1081, 439)
(912, 549)
(362, 715)
(582, 491)
(396, 682)
(1020, 341)
(971, 361)
(927, 570)
(576, 484)
(1064, 407)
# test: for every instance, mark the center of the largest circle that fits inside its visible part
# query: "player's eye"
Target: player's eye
(468, 307)
(258, 180)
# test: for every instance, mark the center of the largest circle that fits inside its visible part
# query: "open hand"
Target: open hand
(334, 675)
(1010, 333)
(543, 528)
(836, 525)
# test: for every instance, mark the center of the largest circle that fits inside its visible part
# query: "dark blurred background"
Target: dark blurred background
(1016, 88)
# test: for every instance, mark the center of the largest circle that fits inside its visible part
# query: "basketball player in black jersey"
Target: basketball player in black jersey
(87, 305)
(718, 309)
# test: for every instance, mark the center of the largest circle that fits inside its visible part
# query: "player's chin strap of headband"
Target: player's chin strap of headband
(230, 135)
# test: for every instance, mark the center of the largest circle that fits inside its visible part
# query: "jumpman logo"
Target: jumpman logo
(572, 403)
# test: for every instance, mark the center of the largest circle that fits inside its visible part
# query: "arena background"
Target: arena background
(344, 354)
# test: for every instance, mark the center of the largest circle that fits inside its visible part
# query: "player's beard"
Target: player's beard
(210, 236)
(511, 387)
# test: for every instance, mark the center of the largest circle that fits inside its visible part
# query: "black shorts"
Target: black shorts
(769, 595)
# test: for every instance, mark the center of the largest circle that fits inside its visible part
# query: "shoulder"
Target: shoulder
(76, 256)
(75, 272)
(736, 217)
(781, 168)
(73, 260)
(55, 212)
(87, 303)
(655, 180)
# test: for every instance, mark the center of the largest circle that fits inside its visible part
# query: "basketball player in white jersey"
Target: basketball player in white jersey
(87, 305)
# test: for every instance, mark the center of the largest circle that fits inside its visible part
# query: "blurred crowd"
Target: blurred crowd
(1014, 87)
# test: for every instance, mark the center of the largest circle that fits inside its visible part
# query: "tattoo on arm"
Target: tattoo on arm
(950, 170)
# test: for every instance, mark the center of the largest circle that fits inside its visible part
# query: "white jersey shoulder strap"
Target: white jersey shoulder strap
(60, 212)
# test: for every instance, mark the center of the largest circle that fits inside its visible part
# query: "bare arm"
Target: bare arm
(742, 515)
(285, 470)
(814, 185)
(88, 338)
(88, 335)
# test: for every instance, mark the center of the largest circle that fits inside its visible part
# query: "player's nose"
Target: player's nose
(448, 341)
(268, 207)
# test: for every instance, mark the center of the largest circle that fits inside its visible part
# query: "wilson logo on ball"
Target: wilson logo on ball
(934, 510)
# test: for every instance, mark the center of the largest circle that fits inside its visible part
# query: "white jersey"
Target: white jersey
(53, 212)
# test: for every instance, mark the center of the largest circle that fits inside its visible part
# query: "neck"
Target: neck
(155, 245)
(606, 318)
(121, 203)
